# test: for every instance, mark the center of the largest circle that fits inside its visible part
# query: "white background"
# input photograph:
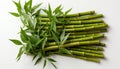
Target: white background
(9, 27)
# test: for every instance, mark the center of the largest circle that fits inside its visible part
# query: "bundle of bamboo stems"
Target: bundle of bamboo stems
(85, 28)
(56, 32)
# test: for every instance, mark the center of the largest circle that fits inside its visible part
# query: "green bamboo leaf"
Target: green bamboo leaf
(53, 26)
(51, 60)
(62, 35)
(65, 38)
(42, 33)
(15, 3)
(50, 11)
(20, 53)
(18, 5)
(38, 42)
(23, 20)
(54, 65)
(29, 44)
(14, 14)
(17, 42)
(45, 11)
(44, 43)
(63, 50)
(30, 4)
(38, 60)
(33, 39)
(35, 7)
(55, 37)
(34, 57)
(57, 9)
(26, 6)
(68, 11)
(37, 13)
(44, 64)
(23, 35)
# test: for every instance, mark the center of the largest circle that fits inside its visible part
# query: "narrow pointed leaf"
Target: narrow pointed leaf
(63, 50)
(55, 37)
(44, 64)
(44, 43)
(45, 11)
(68, 11)
(62, 35)
(35, 7)
(34, 57)
(30, 4)
(54, 65)
(17, 42)
(52, 60)
(18, 5)
(14, 14)
(50, 11)
(38, 42)
(38, 60)
(57, 9)
(20, 53)
(23, 36)
(26, 6)
(15, 3)
(65, 38)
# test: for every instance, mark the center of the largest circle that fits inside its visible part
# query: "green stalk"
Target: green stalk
(82, 36)
(100, 44)
(87, 38)
(87, 58)
(77, 22)
(87, 54)
(80, 39)
(78, 36)
(88, 51)
(88, 32)
(88, 17)
(75, 18)
(94, 48)
(86, 28)
(74, 15)
(76, 56)
(73, 44)
(76, 26)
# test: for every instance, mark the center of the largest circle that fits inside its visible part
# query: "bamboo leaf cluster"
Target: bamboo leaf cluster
(55, 32)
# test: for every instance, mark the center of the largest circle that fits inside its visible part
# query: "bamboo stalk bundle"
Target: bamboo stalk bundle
(76, 35)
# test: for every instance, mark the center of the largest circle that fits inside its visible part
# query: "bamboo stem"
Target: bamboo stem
(86, 28)
(76, 26)
(79, 22)
(82, 36)
(88, 32)
(75, 18)
(80, 39)
(81, 57)
(73, 15)
(73, 44)
(94, 48)
(78, 36)
(89, 51)
(87, 54)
